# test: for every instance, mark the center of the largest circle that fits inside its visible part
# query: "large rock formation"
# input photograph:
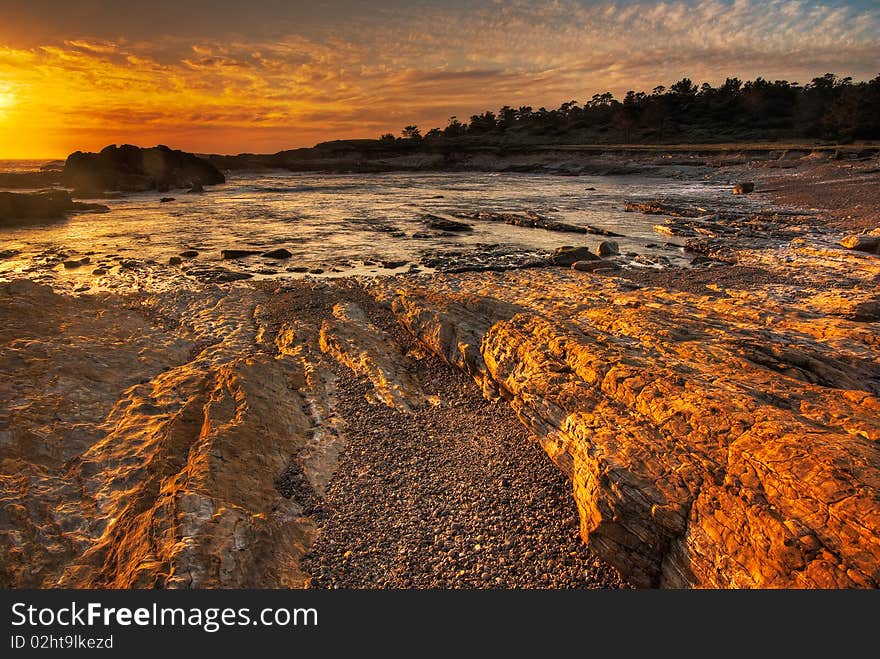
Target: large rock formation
(130, 169)
(29, 208)
(724, 439)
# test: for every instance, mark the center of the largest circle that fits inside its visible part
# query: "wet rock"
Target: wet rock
(443, 224)
(607, 248)
(743, 188)
(228, 254)
(28, 208)
(71, 264)
(130, 168)
(566, 256)
(279, 254)
(8, 253)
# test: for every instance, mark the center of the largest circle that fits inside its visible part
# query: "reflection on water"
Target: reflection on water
(341, 224)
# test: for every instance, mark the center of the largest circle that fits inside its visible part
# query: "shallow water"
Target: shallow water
(343, 224)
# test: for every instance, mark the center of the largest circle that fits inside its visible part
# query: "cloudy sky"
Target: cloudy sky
(263, 75)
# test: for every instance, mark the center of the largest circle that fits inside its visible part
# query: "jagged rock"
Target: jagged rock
(712, 441)
(862, 242)
(566, 256)
(27, 208)
(279, 254)
(743, 188)
(352, 340)
(129, 168)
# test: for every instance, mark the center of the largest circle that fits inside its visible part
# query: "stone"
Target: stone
(165, 200)
(566, 256)
(175, 260)
(130, 168)
(743, 188)
(744, 456)
(20, 208)
(443, 224)
(189, 254)
(228, 254)
(279, 254)
(71, 264)
(593, 266)
(607, 248)
(862, 242)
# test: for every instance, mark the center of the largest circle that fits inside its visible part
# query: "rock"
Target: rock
(862, 243)
(29, 208)
(8, 253)
(298, 269)
(227, 254)
(189, 254)
(279, 254)
(32, 180)
(566, 256)
(316, 271)
(712, 441)
(132, 169)
(195, 188)
(593, 266)
(442, 224)
(99, 271)
(607, 248)
(175, 260)
(743, 188)
(76, 263)
(165, 200)
(392, 265)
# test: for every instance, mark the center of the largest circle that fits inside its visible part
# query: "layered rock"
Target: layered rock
(725, 439)
(130, 168)
(143, 441)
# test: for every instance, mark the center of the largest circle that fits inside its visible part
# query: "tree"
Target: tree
(387, 137)
(411, 133)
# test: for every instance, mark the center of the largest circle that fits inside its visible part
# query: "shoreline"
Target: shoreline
(176, 414)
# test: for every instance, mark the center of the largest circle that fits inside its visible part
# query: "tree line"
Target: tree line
(827, 108)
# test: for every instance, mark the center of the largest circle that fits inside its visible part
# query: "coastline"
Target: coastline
(162, 426)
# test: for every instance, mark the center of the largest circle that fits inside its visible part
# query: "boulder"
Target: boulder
(227, 254)
(591, 266)
(567, 256)
(442, 224)
(607, 248)
(131, 169)
(29, 208)
(279, 253)
(743, 188)
(175, 260)
(862, 242)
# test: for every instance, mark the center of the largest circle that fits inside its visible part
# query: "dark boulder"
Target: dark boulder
(567, 256)
(31, 208)
(237, 253)
(132, 169)
(279, 253)
(442, 224)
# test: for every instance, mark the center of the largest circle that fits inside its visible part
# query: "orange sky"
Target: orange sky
(264, 85)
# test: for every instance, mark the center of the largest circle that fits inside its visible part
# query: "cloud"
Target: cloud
(417, 64)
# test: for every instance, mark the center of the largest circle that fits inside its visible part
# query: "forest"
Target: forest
(829, 108)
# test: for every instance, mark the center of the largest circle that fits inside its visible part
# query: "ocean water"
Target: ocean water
(342, 224)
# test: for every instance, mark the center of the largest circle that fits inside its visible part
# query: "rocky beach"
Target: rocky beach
(678, 388)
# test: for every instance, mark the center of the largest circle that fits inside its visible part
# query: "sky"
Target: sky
(223, 76)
